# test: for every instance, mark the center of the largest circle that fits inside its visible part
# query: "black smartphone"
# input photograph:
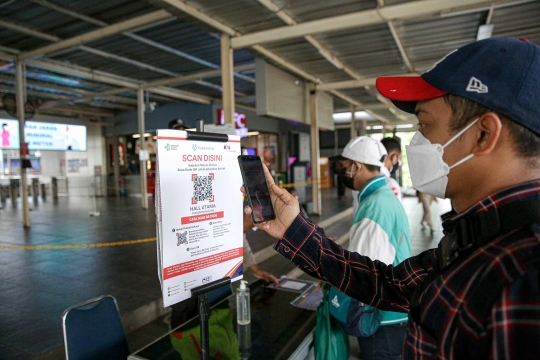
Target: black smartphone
(256, 188)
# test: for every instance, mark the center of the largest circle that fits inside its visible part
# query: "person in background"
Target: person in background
(381, 231)
(426, 201)
(177, 124)
(340, 174)
(391, 164)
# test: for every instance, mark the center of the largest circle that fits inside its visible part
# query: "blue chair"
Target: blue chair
(93, 330)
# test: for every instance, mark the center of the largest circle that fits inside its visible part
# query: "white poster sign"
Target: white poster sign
(199, 212)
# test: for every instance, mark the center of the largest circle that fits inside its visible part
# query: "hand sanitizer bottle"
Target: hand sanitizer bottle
(243, 308)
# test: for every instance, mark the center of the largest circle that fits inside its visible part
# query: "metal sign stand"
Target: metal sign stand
(203, 290)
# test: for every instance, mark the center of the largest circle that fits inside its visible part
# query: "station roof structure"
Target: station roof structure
(87, 58)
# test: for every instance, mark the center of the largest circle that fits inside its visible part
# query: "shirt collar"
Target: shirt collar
(371, 186)
(525, 191)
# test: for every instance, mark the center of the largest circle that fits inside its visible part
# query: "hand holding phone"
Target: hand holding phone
(285, 205)
(256, 188)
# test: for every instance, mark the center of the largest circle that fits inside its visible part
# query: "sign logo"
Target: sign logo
(227, 147)
(476, 85)
(171, 147)
(194, 147)
(206, 279)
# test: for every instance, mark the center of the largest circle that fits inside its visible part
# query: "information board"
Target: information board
(9, 133)
(43, 136)
(199, 213)
(50, 136)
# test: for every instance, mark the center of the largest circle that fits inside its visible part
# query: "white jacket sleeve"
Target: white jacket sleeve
(369, 239)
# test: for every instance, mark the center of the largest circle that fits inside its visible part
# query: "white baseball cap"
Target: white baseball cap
(365, 150)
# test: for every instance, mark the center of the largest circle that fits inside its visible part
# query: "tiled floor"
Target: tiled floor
(37, 285)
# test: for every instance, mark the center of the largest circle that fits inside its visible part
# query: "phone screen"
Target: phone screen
(256, 188)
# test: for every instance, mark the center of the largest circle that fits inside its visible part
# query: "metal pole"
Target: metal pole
(19, 84)
(204, 316)
(142, 159)
(200, 125)
(116, 166)
(227, 78)
(354, 133)
(315, 154)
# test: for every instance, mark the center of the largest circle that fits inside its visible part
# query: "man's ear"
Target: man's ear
(490, 126)
(357, 166)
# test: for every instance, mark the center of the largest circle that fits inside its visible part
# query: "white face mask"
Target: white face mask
(428, 169)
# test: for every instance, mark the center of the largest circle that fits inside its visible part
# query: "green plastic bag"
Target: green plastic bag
(331, 341)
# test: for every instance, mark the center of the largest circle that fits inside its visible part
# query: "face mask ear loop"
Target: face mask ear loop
(460, 133)
(461, 161)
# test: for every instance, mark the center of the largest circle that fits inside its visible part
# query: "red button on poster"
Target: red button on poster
(202, 217)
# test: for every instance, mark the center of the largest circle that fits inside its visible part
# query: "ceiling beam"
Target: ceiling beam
(327, 54)
(138, 38)
(115, 80)
(98, 34)
(104, 54)
(404, 56)
(352, 20)
(69, 91)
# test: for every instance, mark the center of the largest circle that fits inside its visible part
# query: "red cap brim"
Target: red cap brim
(406, 89)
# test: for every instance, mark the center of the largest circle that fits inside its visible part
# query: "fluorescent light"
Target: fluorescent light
(345, 117)
(252, 133)
(405, 126)
(136, 136)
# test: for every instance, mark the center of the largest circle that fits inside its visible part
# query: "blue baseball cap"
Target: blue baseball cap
(502, 74)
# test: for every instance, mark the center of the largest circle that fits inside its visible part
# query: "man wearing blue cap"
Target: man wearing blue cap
(477, 295)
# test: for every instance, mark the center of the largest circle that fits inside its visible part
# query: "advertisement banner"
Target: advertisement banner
(10, 134)
(199, 213)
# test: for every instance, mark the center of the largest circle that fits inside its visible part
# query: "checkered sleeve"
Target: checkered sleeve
(515, 320)
(372, 282)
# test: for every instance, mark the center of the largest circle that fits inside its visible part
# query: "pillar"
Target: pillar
(227, 78)
(315, 154)
(142, 140)
(19, 86)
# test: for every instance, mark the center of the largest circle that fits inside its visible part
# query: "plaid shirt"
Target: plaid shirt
(446, 325)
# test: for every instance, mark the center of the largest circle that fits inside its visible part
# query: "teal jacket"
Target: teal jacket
(381, 231)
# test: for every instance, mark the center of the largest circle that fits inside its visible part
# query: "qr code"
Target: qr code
(182, 238)
(202, 188)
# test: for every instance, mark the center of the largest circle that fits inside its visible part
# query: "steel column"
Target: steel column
(227, 78)
(315, 154)
(19, 86)
(142, 163)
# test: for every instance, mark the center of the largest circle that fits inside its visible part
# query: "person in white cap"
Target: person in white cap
(380, 230)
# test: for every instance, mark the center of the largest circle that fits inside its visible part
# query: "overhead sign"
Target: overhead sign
(50, 136)
(239, 119)
(199, 213)
(240, 122)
